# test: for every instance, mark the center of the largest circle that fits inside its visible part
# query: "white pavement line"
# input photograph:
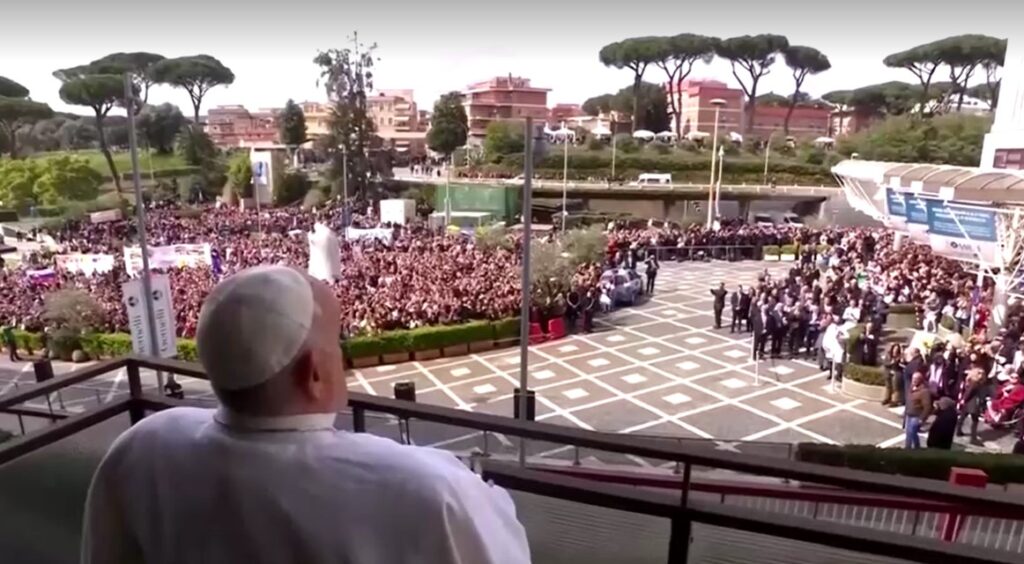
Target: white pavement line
(615, 391)
(458, 401)
(115, 385)
(14, 381)
(361, 380)
(898, 439)
(556, 410)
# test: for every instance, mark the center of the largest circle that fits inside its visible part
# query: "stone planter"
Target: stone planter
(787, 258)
(862, 391)
(427, 355)
(481, 346)
(457, 350)
(771, 258)
(395, 358)
(365, 361)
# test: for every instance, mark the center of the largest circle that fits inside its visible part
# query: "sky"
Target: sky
(435, 46)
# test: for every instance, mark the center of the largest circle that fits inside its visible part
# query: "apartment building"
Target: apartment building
(235, 126)
(503, 98)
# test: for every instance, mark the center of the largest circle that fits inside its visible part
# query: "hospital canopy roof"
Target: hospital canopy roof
(987, 184)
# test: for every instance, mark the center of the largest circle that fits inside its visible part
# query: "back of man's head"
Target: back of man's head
(268, 339)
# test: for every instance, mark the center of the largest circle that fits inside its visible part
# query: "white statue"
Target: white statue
(324, 254)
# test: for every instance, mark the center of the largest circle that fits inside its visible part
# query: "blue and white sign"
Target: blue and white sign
(963, 222)
(259, 173)
(964, 232)
(917, 210)
(896, 203)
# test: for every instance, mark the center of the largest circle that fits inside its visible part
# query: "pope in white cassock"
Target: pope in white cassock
(266, 478)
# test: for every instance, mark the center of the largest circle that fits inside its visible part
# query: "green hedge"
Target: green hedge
(772, 250)
(163, 173)
(96, 345)
(789, 249)
(8, 215)
(430, 338)
(867, 375)
(933, 464)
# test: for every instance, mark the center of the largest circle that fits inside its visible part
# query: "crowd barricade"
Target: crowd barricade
(729, 253)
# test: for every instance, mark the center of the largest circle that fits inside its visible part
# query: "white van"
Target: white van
(792, 219)
(653, 179)
(763, 220)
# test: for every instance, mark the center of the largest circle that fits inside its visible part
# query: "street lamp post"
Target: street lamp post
(612, 179)
(717, 103)
(718, 185)
(447, 192)
(565, 176)
(767, 153)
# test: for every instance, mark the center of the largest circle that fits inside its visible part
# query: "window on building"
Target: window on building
(1012, 159)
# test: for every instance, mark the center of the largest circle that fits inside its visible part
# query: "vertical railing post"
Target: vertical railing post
(679, 541)
(358, 420)
(135, 411)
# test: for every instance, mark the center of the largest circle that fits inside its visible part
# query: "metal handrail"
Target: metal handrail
(689, 455)
(686, 511)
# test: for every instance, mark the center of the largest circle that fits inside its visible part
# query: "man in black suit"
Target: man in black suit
(734, 301)
(745, 301)
(776, 327)
(757, 324)
(719, 293)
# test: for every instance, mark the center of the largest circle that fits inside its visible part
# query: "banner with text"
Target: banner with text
(964, 232)
(84, 263)
(896, 203)
(170, 256)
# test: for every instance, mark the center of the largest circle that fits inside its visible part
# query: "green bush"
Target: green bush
(187, 350)
(661, 148)
(429, 338)
(867, 375)
(103, 345)
(49, 211)
(506, 329)
(853, 335)
(596, 144)
(376, 345)
(772, 250)
(64, 342)
(623, 143)
(28, 341)
(789, 249)
(293, 188)
(8, 215)
(934, 464)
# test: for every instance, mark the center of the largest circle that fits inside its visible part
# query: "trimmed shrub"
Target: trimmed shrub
(292, 189)
(867, 375)
(28, 341)
(596, 144)
(8, 215)
(772, 250)
(63, 343)
(376, 345)
(187, 350)
(934, 464)
(506, 329)
(789, 249)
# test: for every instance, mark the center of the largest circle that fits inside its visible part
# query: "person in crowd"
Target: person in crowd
(919, 406)
(734, 304)
(868, 344)
(718, 305)
(943, 427)
(915, 363)
(1008, 397)
(270, 476)
(894, 390)
(651, 271)
(972, 397)
(10, 342)
(745, 302)
(759, 311)
(572, 308)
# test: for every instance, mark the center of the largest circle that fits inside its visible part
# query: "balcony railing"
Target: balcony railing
(572, 516)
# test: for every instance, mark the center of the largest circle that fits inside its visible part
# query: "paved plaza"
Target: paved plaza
(658, 369)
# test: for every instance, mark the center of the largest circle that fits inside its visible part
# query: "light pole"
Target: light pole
(612, 179)
(565, 175)
(447, 191)
(767, 152)
(717, 103)
(718, 185)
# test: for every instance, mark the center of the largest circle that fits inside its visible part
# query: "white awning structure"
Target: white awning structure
(666, 135)
(735, 137)
(600, 131)
(697, 135)
(643, 134)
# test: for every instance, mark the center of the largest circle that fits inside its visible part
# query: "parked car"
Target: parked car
(626, 285)
(792, 219)
(763, 220)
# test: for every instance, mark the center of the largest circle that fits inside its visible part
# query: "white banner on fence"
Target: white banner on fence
(171, 256)
(381, 233)
(105, 216)
(87, 264)
(163, 314)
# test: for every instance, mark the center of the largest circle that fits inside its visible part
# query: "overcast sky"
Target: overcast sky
(442, 45)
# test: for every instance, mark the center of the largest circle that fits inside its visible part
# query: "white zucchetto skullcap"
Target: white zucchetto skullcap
(253, 325)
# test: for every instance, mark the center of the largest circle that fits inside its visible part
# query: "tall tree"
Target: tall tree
(755, 54)
(991, 65)
(964, 54)
(886, 99)
(634, 54)
(292, 124)
(598, 105)
(650, 100)
(922, 61)
(195, 74)
(16, 110)
(159, 125)
(139, 65)
(347, 76)
(675, 57)
(448, 124)
(99, 92)
(802, 61)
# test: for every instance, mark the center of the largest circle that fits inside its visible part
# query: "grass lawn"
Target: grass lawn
(122, 160)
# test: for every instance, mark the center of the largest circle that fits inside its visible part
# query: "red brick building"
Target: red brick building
(503, 98)
(235, 126)
(564, 112)
(697, 113)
